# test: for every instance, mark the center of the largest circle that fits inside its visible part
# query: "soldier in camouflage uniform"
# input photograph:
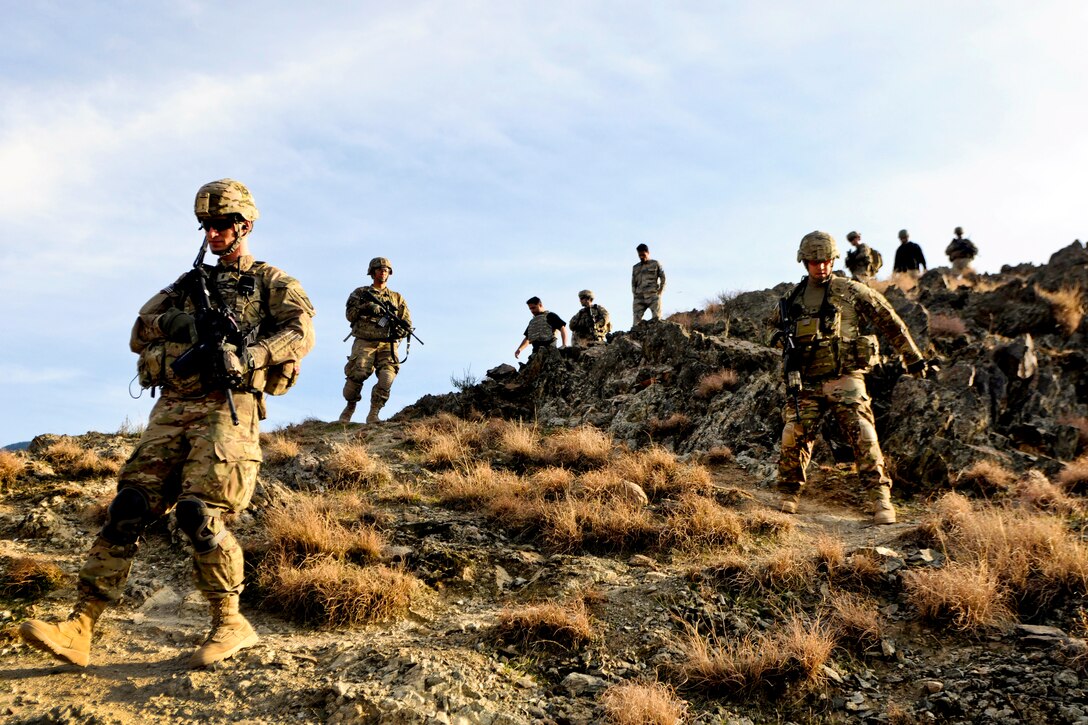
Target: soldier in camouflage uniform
(961, 252)
(647, 285)
(376, 340)
(591, 324)
(862, 261)
(191, 457)
(826, 370)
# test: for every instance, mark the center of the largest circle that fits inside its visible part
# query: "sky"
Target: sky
(500, 150)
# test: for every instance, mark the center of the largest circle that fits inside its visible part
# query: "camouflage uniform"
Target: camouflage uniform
(590, 326)
(834, 357)
(961, 252)
(190, 448)
(862, 263)
(376, 345)
(647, 285)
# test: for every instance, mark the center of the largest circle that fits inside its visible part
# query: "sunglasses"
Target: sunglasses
(219, 225)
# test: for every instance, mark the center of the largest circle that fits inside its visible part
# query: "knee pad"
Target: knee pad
(200, 524)
(127, 516)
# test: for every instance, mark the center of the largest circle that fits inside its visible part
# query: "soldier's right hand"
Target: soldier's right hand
(178, 326)
(373, 309)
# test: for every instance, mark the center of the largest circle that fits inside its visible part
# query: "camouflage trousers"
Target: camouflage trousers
(643, 303)
(846, 398)
(189, 450)
(366, 357)
(962, 266)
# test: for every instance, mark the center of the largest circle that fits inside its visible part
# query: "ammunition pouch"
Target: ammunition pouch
(157, 366)
(832, 357)
(276, 379)
(865, 353)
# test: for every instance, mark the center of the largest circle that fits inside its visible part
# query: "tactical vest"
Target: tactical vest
(539, 331)
(827, 350)
(366, 325)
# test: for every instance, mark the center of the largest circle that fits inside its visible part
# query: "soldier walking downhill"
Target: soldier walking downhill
(377, 339)
(647, 285)
(200, 451)
(863, 261)
(591, 324)
(961, 252)
(821, 319)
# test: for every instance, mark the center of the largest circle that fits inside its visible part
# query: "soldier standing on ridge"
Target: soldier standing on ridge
(200, 451)
(825, 363)
(961, 252)
(376, 339)
(862, 261)
(542, 328)
(909, 257)
(591, 324)
(647, 284)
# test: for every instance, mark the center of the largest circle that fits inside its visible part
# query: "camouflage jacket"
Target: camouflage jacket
(961, 248)
(271, 308)
(862, 261)
(590, 324)
(647, 278)
(829, 335)
(366, 317)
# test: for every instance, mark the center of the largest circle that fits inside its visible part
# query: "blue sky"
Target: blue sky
(496, 151)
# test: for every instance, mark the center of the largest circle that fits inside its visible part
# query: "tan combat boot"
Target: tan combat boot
(788, 503)
(349, 410)
(230, 632)
(69, 640)
(883, 511)
(372, 416)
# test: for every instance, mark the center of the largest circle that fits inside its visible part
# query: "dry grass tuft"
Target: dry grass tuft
(643, 703)
(830, 553)
(578, 447)
(279, 449)
(11, 465)
(520, 441)
(698, 522)
(967, 596)
(308, 527)
(947, 326)
(71, 460)
(674, 425)
(770, 662)
(330, 593)
(659, 474)
(551, 482)
(855, 619)
(566, 625)
(1074, 477)
(717, 455)
(29, 577)
(1036, 491)
(599, 525)
(479, 485)
(713, 383)
(986, 478)
(350, 466)
(1067, 306)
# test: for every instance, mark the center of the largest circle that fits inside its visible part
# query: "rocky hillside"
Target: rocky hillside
(600, 544)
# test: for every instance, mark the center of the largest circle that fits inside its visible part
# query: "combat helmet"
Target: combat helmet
(225, 197)
(958, 231)
(585, 293)
(379, 262)
(852, 236)
(817, 247)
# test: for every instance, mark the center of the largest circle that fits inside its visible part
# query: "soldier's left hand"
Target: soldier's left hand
(240, 362)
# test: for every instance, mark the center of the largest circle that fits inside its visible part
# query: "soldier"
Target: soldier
(647, 284)
(200, 451)
(909, 257)
(377, 340)
(862, 261)
(591, 324)
(961, 252)
(826, 369)
(542, 328)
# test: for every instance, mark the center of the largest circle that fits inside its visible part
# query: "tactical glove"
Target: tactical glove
(238, 363)
(373, 309)
(178, 326)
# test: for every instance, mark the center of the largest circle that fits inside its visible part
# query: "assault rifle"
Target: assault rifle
(390, 318)
(217, 332)
(791, 356)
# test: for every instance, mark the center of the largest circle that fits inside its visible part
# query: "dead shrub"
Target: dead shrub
(1074, 477)
(350, 466)
(946, 326)
(700, 522)
(855, 619)
(1036, 491)
(1067, 306)
(520, 442)
(599, 525)
(830, 553)
(713, 383)
(578, 447)
(326, 592)
(443, 450)
(278, 449)
(718, 455)
(308, 527)
(549, 624)
(551, 482)
(968, 597)
(986, 478)
(643, 703)
(659, 474)
(767, 523)
(11, 466)
(479, 484)
(676, 424)
(791, 655)
(69, 459)
(28, 577)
